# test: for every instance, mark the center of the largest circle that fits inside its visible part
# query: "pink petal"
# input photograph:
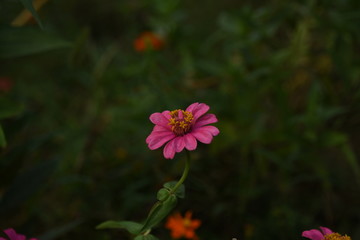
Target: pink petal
(158, 139)
(211, 129)
(166, 114)
(202, 136)
(11, 234)
(159, 119)
(1, 238)
(179, 144)
(326, 230)
(190, 142)
(169, 149)
(205, 119)
(158, 128)
(192, 107)
(313, 234)
(21, 237)
(199, 110)
(157, 133)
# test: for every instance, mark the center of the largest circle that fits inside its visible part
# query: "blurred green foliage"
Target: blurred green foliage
(283, 77)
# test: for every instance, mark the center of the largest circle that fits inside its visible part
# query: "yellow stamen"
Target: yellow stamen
(180, 121)
(336, 236)
(187, 222)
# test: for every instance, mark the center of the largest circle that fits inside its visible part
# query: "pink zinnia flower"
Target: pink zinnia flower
(14, 236)
(325, 234)
(180, 129)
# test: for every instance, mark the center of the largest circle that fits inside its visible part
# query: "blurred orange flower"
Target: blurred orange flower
(5, 84)
(148, 41)
(182, 227)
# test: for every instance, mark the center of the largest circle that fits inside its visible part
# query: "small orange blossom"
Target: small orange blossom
(147, 41)
(182, 226)
(5, 84)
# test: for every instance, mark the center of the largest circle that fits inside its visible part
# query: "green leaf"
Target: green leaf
(333, 138)
(180, 192)
(146, 237)
(9, 108)
(131, 227)
(159, 212)
(28, 4)
(350, 156)
(300, 42)
(16, 42)
(163, 194)
(166, 7)
(2, 138)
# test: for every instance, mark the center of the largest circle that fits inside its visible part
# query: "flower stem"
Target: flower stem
(162, 207)
(185, 173)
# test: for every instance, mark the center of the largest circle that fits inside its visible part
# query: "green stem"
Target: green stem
(185, 173)
(159, 204)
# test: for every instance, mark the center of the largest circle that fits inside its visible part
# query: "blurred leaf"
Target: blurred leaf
(228, 23)
(79, 53)
(159, 212)
(16, 42)
(146, 237)
(2, 138)
(27, 184)
(166, 7)
(300, 42)
(131, 227)
(59, 231)
(10, 109)
(333, 138)
(352, 160)
(28, 4)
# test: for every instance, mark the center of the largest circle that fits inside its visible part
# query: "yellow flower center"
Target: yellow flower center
(336, 236)
(187, 222)
(180, 121)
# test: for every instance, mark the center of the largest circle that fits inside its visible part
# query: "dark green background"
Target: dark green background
(283, 78)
